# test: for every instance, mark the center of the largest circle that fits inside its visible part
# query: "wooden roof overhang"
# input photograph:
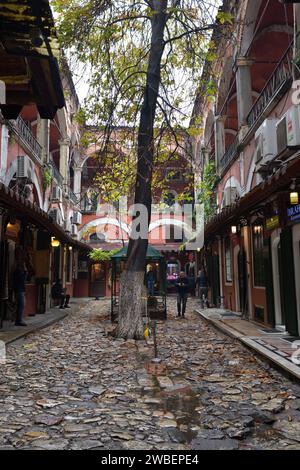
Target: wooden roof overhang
(23, 209)
(258, 195)
(29, 53)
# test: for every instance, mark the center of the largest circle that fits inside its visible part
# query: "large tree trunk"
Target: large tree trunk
(132, 280)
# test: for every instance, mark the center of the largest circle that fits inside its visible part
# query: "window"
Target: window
(258, 254)
(174, 234)
(228, 260)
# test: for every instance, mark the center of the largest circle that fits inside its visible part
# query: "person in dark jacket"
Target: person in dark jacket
(151, 280)
(59, 293)
(202, 284)
(182, 287)
(19, 284)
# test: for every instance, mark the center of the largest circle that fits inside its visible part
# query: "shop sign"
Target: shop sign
(272, 222)
(293, 213)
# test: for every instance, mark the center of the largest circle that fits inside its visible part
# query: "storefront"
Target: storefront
(29, 236)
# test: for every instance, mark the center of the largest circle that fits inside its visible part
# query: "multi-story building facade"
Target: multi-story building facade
(39, 154)
(251, 130)
(107, 225)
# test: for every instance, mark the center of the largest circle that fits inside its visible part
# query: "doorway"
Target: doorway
(281, 288)
(242, 281)
(97, 280)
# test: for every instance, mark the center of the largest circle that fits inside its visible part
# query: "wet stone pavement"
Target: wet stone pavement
(74, 386)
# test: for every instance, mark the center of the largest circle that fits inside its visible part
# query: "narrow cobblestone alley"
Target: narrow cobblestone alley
(73, 386)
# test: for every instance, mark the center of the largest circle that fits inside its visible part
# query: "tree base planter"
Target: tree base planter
(152, 307)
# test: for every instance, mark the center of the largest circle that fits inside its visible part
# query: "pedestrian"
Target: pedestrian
(59, 293)
(182, 287)
(19, 281)
(150, 279)
(202, 283)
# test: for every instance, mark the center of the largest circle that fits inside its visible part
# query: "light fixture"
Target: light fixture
(198, 249)
(54, 242)
(70, 248)
(10, 226)
(234, 229)
(294, 197)
(257, 229)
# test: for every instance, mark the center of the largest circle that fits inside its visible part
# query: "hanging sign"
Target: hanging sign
(293, 213)
(272, 222)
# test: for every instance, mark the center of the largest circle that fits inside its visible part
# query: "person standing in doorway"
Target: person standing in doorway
(19, 281)
(202, 284)
(182, 287)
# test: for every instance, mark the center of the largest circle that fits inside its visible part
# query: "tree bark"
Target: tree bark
(132, 280)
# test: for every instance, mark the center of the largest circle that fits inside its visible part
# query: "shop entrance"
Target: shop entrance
(98, 280)
(287, 282)
(281, 284)
(242, 281)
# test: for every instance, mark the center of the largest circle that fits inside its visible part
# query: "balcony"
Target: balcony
(276, 86)
(24, 132)
(230, 154)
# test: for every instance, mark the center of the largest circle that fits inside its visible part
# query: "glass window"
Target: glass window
(228, 260)
(258, 254)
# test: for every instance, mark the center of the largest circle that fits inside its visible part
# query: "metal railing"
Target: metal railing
(281, 76)
(24, 132)
(230, 153)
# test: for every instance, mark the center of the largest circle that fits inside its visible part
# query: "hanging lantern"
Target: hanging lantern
(234, 229)
(55, 242)
(294, 197)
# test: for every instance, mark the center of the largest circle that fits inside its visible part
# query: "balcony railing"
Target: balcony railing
(24, 132)
(281, 76)
(230, 154)
(56, 174)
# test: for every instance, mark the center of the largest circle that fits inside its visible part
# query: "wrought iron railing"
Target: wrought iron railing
(281, 76)
(24, 132)
(230, 153)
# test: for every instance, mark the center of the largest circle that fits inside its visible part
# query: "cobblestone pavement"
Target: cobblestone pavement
(74, 386)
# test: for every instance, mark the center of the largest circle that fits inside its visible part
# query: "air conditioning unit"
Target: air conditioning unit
(230, 196)
(74, 230)
(265, 142)
(56, 215)
(77, 218)
(25, 168)
(56, 194)
(288, 130)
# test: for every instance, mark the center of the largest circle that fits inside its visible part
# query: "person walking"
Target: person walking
(19, 280)
(202, 283)
(182, 287)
